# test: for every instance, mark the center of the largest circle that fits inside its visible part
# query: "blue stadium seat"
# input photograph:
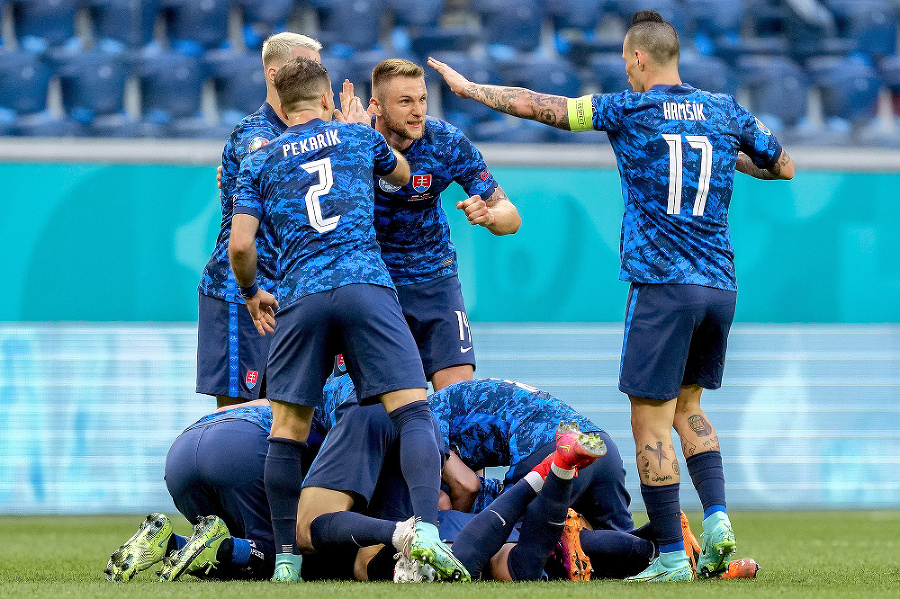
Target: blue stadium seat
(465, 113)
(871, 23)
(778, 88)
(579, 15)
(420, 13)
(92, 85)
(262, 19)
(732, 47)
(195, 26)
(425, 41)
(849, 86)
(240, 83)
(889, 71)
(126, 23)
(671, 10)
(340, 68)
(512, 130)
(345, 27)
(24, 78)
(171, 86)
(510, 24)
(541, 73)
(608, 71)
(708, 73)
(43, 24)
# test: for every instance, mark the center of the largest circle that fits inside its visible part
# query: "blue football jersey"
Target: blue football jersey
(676, 148)
(492, 422)
(253, 132)
(410, 223)
(313, 185)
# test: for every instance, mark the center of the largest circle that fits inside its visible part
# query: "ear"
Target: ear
(270, 75)
(374, 107)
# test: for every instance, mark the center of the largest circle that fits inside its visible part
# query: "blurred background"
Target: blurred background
(114, 113)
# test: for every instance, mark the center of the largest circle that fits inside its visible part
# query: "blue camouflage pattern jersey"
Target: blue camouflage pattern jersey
(313, 185)
(410, 224)
(492, 422)
(261, 415)
(253, 132)
(676, 148)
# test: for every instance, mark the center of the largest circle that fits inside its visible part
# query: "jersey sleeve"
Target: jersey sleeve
(469, 168)
(248, 197)
(757, 141)
(489, 491)
(385, 160)
(598, 111)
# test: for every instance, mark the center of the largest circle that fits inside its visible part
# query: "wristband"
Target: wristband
(248, 292)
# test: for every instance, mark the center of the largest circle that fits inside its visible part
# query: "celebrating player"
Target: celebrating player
(677, 149)
(231, 356)
(313, 189)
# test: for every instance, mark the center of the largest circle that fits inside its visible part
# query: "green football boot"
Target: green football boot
(718, 545)
(147, 547)
(200, 551)
(427, 548)
(660, 571)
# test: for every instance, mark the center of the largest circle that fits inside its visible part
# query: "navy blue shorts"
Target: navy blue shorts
(436, 314)
(598, 493)
(231, 354)
(217, 468)
(362, 322)
(675, 335)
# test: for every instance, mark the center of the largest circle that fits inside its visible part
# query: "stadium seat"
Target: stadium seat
(510, 25)
(123, 23)
(871, 23)
(889, 70)
(92, 84)
(671, 10)
(778, 88)
(349, 26)
(24, 78)
(44, 24)
(708, 73)
(578, 15)
(420, 13)
(339, 69)
(512, 130)
(608, 71)
(540, 73)
(262, 19)
(425, 41)
(171, 86)
(464, 113)
(240, 83)
(195, 26)
(849, 86)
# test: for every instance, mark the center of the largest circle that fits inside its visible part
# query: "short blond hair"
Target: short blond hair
(386, 70)
(278, 47)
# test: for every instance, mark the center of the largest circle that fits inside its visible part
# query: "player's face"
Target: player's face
(404, 105)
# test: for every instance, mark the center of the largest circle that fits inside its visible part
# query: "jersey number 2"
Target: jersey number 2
(698, 142)
(313, 207)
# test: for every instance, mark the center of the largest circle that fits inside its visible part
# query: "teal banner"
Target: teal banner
(95, 242)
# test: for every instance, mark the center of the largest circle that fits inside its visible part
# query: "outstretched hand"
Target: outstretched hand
(351, 110)
(262, 308)
(457, 83)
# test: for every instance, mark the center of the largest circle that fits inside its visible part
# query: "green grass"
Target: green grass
(802, 554)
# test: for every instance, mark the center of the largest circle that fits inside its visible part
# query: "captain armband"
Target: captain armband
(581, 114)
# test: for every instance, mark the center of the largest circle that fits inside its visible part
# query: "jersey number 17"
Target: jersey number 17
(676, 171)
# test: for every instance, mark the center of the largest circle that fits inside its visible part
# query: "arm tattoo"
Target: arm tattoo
(523, 103)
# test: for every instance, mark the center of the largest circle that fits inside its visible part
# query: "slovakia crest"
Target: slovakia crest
(339, 365)
(257, 142)
(251, 378)
(421, 182)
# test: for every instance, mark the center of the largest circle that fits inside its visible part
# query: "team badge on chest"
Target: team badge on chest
(421, 182)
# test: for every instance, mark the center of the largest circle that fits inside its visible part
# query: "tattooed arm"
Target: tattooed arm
(782, 169)
(497, 214)
(517, 101)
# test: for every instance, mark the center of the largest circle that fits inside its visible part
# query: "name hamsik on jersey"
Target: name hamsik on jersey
(252, 133)
(410, 224)
(676, 148)
(492, 422)
(313, 187)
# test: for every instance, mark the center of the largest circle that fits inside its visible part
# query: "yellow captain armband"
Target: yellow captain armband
(581, 114)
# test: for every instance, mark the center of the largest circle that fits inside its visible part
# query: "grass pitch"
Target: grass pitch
(802, 554)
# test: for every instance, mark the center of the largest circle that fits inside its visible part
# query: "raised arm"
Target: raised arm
(517, 101)
(782, 169)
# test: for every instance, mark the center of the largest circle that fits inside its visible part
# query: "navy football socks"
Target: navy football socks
(616, 554)
(420, 457)
(486, 533)
(541, 529)
(708, 477)
(664, 510)
(350, 527)
(283, 479)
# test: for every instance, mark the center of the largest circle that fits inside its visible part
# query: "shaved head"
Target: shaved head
(655, 36)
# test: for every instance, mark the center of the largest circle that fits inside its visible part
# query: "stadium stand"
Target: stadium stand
(92, 86)
(760, 50)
